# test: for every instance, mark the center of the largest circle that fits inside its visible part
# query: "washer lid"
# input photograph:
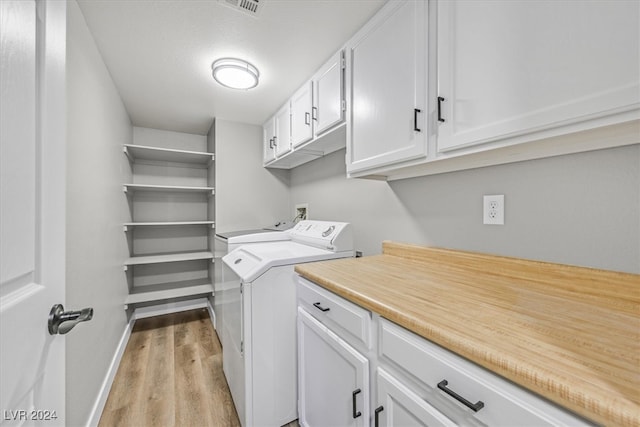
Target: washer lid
(239, 234)
(259, 236)
(251, 261)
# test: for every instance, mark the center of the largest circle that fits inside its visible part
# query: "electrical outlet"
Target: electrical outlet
(302, 212)
(493, 210)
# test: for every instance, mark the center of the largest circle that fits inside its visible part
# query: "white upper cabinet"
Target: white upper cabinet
(387, 88)
(328, 96)
(315, 119)
(511, 69)
(277, 135)
(269, 132)
(282, 139)
(301, 109)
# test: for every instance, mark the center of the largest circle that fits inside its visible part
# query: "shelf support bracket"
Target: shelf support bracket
(128, 154)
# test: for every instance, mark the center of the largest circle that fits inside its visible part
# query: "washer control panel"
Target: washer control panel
(335, 236)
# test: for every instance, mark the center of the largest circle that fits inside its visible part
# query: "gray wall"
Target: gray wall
(581, 209)
(247, 195)
(97, 126)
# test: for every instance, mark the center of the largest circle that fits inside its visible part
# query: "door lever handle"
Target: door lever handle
(61, 322)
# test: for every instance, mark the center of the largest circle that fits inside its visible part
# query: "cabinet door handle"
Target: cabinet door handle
(307, 119)
(314, 113)
(415, 119)
(377, 415)
(275, 142)
(319, 307)
(475, 407)
(440, 100)
(353, 401)
(271, 143)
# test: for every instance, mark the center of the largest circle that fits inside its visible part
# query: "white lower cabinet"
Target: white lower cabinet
(466, 392)
(397, 405)
(333, 380)
(414, 382)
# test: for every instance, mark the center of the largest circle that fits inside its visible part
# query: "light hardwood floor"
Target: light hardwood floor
(171, 375)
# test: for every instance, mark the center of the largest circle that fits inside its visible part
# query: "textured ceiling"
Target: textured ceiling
(159, 54)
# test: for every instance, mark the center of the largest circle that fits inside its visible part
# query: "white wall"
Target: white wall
(247, 195)
(169, 139)
(581, 209)
(97, 126)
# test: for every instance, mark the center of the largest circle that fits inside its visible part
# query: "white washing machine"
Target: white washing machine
(259, 353)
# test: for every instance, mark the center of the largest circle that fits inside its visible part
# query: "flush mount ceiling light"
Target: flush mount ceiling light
(235, 73)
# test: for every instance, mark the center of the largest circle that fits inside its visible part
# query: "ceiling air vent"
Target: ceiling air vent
(250, 7)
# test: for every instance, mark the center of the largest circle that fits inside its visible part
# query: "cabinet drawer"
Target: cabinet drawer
(503, 403)
(397, 405)
(336, 312)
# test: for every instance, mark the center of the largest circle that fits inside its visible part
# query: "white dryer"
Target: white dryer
(260, 352)
(225, 243)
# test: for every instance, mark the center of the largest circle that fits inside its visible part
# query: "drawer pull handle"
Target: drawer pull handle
(319, 307)
(377, 415)
(353, 397)
(475, 407)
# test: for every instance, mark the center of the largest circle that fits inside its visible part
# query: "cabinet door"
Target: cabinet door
(282, 140)
(508, 69)
(269, 131)
(333, 378)
(328, 97)
(388, 95)
(397, 405)
(301, 123)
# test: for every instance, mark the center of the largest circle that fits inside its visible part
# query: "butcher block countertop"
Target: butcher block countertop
(568, 333)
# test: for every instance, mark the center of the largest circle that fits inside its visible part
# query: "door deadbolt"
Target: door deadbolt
(61, 322)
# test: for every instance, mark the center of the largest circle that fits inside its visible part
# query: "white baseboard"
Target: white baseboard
(98, 406)
(212, 313)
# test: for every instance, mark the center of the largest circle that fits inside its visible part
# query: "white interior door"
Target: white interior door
(32, 213)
